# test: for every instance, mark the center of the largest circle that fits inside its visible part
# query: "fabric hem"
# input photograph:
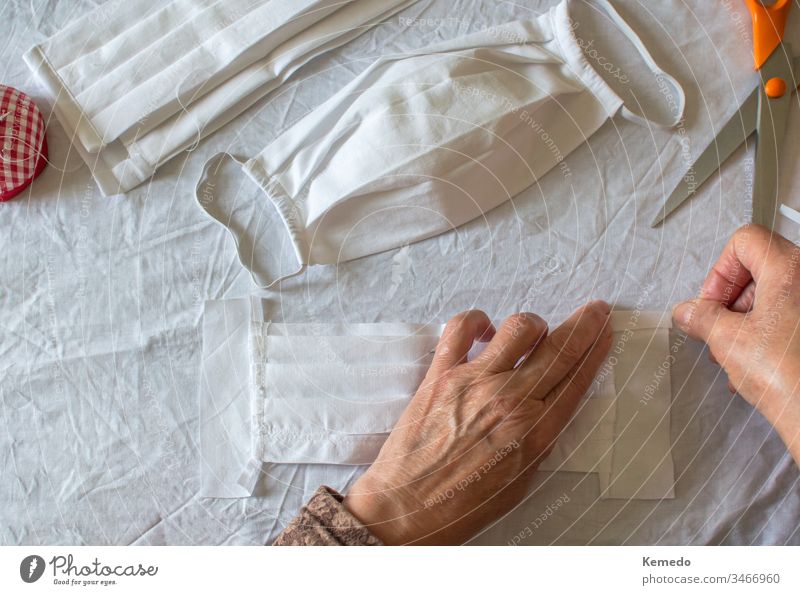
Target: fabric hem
(287, 209)
(573, 54)
(71, 114)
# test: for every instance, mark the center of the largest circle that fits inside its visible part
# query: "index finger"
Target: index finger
(745, 258)
(550, 362)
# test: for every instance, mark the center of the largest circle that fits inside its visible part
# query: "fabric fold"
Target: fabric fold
(134, 83)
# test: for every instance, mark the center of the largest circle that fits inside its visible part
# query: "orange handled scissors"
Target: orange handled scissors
(764, 112)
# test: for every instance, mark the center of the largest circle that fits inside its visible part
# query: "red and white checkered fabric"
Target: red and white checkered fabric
(23, 145)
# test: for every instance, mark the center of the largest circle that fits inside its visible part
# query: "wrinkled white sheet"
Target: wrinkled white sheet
(102, 297)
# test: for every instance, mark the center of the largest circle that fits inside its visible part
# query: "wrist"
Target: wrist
(785, 418)
(380, 511)
(789, 432)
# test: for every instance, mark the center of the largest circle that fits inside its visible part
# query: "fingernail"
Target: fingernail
(682, 313)
(602, 306)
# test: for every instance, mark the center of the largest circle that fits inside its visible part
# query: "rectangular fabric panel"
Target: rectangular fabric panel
(642, 465)
(586, 444)
(135, 82)
(331, 393)
(621, 431)
(224, 397)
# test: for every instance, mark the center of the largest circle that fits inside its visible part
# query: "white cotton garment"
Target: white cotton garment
(330, 394)
(421, 143)
(135, 82)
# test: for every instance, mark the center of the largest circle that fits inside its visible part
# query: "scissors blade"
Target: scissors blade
(735, 131)
(771, 127)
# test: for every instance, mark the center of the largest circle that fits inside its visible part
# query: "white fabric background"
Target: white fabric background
(101, 301)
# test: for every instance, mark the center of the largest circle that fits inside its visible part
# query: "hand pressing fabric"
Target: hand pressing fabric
(748, 313)
(465, 449)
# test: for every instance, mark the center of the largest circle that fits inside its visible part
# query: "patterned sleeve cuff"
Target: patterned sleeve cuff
(324, 521)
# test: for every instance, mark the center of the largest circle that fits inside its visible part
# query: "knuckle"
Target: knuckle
(743, 236)
(569, 349)
(523, 323)
(746, 229)
(497, 354)
(454, 326)
(462, 318)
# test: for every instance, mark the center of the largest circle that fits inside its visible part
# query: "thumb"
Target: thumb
(710, 321)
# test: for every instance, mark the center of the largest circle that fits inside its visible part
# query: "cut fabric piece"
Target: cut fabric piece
(621, 430)
(136, 82)
(331, 393)
(587, 442)
(642, 465)
(225, 394)
(420, 144)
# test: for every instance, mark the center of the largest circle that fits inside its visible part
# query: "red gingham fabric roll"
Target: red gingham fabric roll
(23, 145)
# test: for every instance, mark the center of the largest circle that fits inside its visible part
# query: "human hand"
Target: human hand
(748, 313)
(465, 449)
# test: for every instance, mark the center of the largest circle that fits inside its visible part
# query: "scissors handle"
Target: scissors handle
(769, 23)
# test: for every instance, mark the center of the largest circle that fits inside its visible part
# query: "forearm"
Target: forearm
(789, 431)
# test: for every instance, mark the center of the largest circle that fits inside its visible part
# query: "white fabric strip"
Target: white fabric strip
(790, 213)
(225, 393)
(316, 350)
(642, 465)
(380, 330)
